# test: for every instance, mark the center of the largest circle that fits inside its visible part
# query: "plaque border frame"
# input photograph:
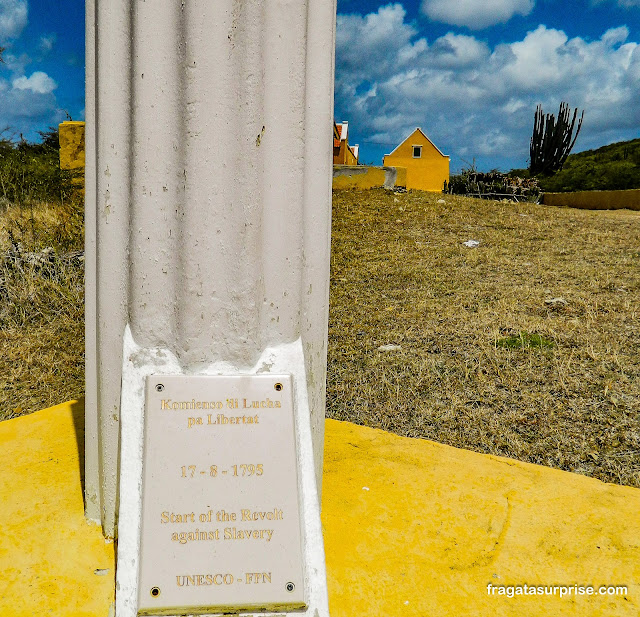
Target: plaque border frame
(139, 363)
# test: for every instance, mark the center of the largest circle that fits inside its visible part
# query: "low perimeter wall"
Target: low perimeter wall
(366, 177)
(594, 200)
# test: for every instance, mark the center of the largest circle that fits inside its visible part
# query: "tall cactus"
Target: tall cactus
(552, 141)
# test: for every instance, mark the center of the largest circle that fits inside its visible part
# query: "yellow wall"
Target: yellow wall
(365, 177)
(595, 200)
(350, 159)
(427, 173)
(344, 155)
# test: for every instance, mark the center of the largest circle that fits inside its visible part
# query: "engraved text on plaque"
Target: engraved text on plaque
(220, 500)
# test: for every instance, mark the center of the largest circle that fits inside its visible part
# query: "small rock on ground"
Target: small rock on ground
(389, 348)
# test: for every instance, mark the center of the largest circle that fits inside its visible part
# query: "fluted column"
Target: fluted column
(208, 197)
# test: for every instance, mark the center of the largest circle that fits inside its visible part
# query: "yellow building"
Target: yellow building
(343, 153)
(427, 167)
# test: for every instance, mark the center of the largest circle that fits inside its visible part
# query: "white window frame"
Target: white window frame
(413, 149)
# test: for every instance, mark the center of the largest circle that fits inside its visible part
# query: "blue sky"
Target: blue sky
(42, 79)
(471, 72)
(468, 72)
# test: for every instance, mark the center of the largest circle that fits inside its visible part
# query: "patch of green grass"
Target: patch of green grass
(524, 340)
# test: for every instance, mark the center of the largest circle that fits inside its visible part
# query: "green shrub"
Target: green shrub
(610, 168)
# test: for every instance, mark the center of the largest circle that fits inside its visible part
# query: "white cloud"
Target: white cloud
(39, 82)
(24, 110)
(13, 18)
(540, 60)
(473, 100)
(27, 99)
(377, 41)
(614, 36)
(459, 50)
(633, 72)
(476, 14)
(47, 42)
(16, 64)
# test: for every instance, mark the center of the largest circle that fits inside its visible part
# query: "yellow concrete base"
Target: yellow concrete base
(412, 528)
(52, 562)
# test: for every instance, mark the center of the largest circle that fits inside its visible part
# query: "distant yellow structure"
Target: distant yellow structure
(71, 138)
(343, 153)
(72, 152)
(427, 167)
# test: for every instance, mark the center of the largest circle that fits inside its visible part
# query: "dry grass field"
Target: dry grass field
(41, 308)
(527, 346)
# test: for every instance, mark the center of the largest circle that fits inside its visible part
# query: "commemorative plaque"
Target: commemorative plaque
(221, 522)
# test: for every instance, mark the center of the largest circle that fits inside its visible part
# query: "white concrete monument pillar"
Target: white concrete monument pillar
(208, 192)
